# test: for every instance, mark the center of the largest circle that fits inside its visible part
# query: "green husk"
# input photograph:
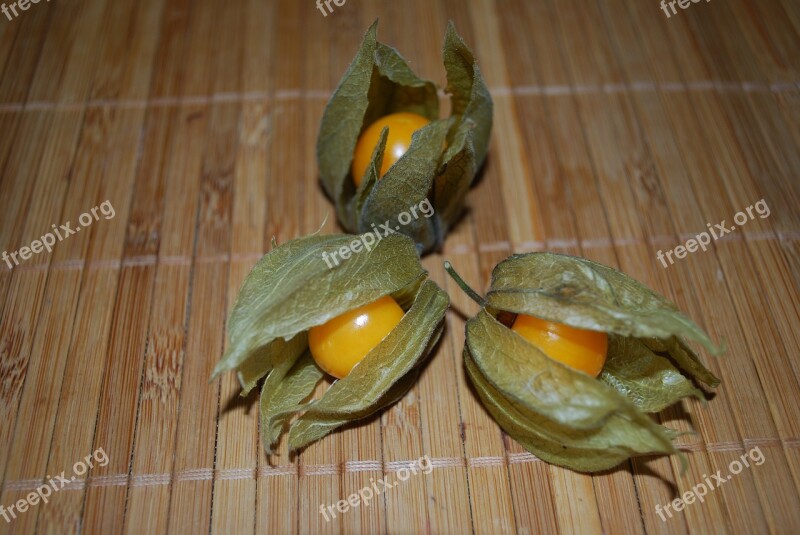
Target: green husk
(369, 386)
(584, 451)
(652, 382)
(264, 359)
(563, 415)
(587, 295)
(443, 157)
(292, 289)
(295, 287)
(281, 394)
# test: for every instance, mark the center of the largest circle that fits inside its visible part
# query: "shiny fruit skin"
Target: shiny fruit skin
(581, 349)
(401, 125)
(341, 343)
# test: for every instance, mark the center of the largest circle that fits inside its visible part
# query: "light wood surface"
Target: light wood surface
(618, 132)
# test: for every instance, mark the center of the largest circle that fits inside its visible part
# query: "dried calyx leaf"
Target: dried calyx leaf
(282, 394)
(442, 159)
(276, 353)
(564, 415)
(369, 387)
(406, 185)
(651, 381)
(294, 288)
(587, 295)
(297, 286)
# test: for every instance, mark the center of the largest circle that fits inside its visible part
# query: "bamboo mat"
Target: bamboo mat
(618, 132)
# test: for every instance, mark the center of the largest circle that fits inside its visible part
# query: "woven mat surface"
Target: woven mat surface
(621, 129)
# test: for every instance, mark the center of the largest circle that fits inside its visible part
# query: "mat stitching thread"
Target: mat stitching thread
(310, 94)
(555, 243)
(206, 474)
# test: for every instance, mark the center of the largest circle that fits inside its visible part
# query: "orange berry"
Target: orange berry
(341, 343)
(401, 126)
(581, 349)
